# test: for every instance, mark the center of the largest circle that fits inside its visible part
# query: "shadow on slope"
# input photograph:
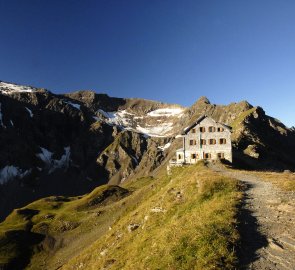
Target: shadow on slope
(40, 228)
(53, 125)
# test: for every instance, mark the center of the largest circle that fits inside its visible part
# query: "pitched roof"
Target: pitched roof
(199, 120)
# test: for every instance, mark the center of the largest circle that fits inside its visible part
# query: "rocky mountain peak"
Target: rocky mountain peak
(7, 88)
(202, 100)
(83, 139)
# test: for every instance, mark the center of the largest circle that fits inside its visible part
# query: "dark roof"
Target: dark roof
(200, 119)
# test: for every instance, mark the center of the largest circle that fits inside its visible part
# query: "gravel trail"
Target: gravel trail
(267, 223)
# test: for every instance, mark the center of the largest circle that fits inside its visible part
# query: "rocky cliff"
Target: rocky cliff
(68, 144)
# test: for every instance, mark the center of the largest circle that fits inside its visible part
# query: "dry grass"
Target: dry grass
(69, 225)
(187, 222)
(239, 120)
(285, 181)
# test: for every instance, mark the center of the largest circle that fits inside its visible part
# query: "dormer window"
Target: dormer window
(220, 129)
(202, 129)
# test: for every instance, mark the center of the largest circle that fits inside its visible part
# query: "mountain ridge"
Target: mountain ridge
(68, 144)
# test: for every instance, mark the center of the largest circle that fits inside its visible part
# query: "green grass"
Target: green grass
(196, 229)
(239, 120)
(186, 221)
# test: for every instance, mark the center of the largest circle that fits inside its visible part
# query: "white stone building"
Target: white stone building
(205, 139)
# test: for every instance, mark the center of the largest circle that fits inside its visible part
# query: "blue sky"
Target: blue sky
(169, 50)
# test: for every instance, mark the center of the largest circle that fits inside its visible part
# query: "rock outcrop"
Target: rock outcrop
(68, 144)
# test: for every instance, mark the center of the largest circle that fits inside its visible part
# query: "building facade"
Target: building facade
(205, 139)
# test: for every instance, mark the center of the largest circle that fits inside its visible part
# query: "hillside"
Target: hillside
(69, 144)
(183, 221)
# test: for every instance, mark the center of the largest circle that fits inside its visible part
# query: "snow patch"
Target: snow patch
(30, 112)
(120, 118)
(10, 172)
(96, 118)
(1, 117)
(127, 121)
(75, 105)
(45, 156)
(166, 112)
(9, 88)
(156, 131)
(53, 164)
(63, 162)
(166, 146)
(106, 114)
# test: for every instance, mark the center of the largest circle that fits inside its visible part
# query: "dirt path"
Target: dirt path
(267, 224)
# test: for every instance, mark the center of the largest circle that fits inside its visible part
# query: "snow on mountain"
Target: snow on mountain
(164, 147)
(63, 162)
(106, 114)
(9, 88)
(45, 156)
(75, 105)
(53, 164)
(11, 172)
(120, 118)
(160, 130)
(1, 117)
(30, 112)
(166, 112)
(145, 124)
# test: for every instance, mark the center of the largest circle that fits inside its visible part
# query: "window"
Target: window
(203, 142)
(220, 129)
(192, 142)
(207, 155)
(202, 129)
(179, 156)
(212, 141)
(220, 155)
(222, 141)
(193, 130)
(211, 129)
(193, 156)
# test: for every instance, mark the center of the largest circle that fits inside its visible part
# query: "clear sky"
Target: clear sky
(169, 50)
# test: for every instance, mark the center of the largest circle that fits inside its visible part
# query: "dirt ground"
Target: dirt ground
(267, 223)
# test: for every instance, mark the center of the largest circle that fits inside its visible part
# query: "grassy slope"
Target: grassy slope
(194, 227)
(237, 123)
(285, 181)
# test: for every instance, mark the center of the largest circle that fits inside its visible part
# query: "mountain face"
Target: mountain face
(68, 144)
